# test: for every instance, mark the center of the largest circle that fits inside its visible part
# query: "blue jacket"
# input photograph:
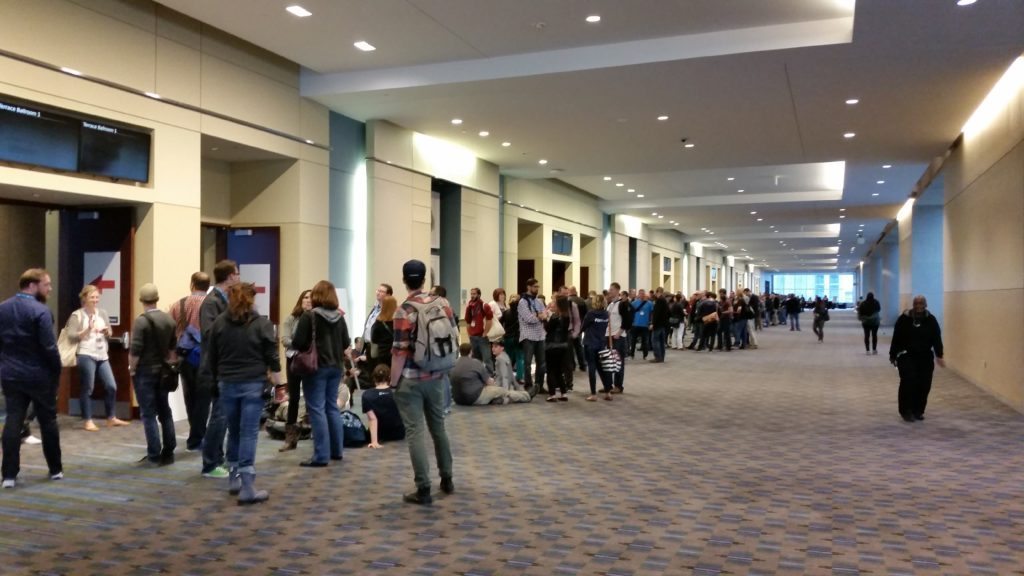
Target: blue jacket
(642, 314)
(28, 346)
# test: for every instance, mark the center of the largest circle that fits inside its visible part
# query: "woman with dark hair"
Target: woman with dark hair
(382, 334)
(556, 348)
(325, 326)
(869, 314)
(291, 434)
(242, 349)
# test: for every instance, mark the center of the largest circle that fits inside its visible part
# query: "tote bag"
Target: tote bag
(306, 363)
(608, 360)
(68, 350)
(497, 331)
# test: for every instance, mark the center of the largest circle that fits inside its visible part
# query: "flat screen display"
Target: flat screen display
(113, 151)
(29, 135)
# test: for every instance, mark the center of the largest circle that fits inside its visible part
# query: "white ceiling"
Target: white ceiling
(758, 87)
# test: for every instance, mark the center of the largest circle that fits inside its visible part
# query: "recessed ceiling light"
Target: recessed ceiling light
(852, 101)
(607, 178)
(842, 217)
(875, 194)
(593, 18)
(484, 133)
(662, 118)
(675, 223)
(842, 209)
(752, 212)
(639, 195)
(772, 226)
(456, 121)
(880, 182)
(365, 46)
(308, 141)
(299, 11)
(849, 135)
(506, 144)
(71, 71)
(688, 145)
(660, 216)
(654, 213)
(760, 219)
(730, 178)
(965, 2)
(542, 161)
(711, 233)
(619, 184)
(776, 231)
(741, 191)
(886, 165)
(153, 95)
(631, 190)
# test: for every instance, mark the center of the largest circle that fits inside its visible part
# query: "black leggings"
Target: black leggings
(870, 332)
(557, 358)
(294, 388)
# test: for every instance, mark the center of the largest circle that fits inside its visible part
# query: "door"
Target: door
(97, 248)
(257, 251)
(558, 273)
(584, 281)
(525, 270)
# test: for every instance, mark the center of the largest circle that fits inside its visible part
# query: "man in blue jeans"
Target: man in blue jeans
(30, 365)
(151, 343)
(418, 391)
(225, 274)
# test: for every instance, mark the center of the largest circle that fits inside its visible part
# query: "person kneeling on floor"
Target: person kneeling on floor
(472, 386)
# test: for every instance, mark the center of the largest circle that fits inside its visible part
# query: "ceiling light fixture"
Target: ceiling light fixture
(852, 101)
(654, 213)
(484, 133)
(841, 217)
(153, 95)
(506, 144)
(752, 212)
(71, 71)
(619, 184)
(593, 18)
(662, 118)
(741, 191)
(365, 46)
(660, 216)
(308, 141)
(887, 166)
(760, 219)
(675, 223)
(965, 2)
(688, 145)
(456, 121)
(849, 135)
(607, 178)
(299, 11)
(842, 209)
(880, 182)
(730, 178)
(542, 161)
(875, 194)
(631, 190)
(639, 195)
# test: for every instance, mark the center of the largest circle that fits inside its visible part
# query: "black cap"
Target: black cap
(414, 269)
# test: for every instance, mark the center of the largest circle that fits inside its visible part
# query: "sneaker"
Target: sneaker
(31, 440)
(219, 472)
(8, 483)
(57, 476)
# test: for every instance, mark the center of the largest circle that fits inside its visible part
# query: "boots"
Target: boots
(421, 496)
(234, 481)
(291, 438)
(249, 494)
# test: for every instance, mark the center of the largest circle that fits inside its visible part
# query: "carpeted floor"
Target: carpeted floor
(789, 459)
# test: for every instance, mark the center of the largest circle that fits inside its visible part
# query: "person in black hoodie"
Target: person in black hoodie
(324, 324)
(557, 348)
(868, 312)
(915, 350)
(242, 349)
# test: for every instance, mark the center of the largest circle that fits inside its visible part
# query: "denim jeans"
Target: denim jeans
(242, 403)
(88, 369)
(482, 351)
(197, 404)
(18, 396)
(153, 406)
(213, 439)
(740, 328)
(419, 402)
(592, 371)
(534, 349)
(658, 343)
(321, 393)
(794, 321)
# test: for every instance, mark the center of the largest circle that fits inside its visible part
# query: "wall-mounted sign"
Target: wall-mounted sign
(103, 270)
(259, 275)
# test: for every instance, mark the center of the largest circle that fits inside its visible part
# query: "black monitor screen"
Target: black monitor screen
(113, 151)
(29, 135)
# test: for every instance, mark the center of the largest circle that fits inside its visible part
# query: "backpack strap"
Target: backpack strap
(182, 316)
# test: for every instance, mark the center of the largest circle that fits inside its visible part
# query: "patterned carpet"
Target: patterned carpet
(790, 459)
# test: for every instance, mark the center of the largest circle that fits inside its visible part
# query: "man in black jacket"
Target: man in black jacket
(659, 325)
(915, 350)
(225, 274)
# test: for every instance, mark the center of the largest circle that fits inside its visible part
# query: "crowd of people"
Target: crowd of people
(408, 360)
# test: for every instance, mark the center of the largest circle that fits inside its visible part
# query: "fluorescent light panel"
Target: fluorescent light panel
(299, 11)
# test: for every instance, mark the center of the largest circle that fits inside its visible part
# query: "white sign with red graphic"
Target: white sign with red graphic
(103, 270)
(258, 274)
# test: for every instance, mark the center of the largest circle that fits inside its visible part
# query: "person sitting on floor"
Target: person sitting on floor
(472, 386)
(381, 410)
(504, 375)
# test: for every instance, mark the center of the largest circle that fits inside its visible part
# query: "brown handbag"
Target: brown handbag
(306, 362)
(710, 318)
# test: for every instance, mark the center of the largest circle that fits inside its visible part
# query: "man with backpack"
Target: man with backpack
(225, 274)
(185, 313)
(425, 350)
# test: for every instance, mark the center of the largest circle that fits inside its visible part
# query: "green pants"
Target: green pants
(420, 400)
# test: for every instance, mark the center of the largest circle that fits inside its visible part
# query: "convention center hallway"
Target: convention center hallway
(789, 459)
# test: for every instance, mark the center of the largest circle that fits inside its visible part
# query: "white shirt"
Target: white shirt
(94, 344)
(614, 320)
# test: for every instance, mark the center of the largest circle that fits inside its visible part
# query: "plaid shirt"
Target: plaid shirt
(192, 304)
(531, 327)
(405, 335)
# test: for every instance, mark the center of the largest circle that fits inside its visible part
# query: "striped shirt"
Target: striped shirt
(405, 335)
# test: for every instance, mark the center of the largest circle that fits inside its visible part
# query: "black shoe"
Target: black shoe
(312, 464)
(147, 462)
(918, 416)
(167, 458)
(337, 458)
(907, 417)
(447, 486)
(421, 496)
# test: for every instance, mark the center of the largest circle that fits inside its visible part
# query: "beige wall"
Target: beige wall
(479, 242)
(984, 254)
(21, 230)
(146, 47)
(399, 222)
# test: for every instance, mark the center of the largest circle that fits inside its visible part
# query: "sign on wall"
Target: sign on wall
(259, 275)
(103, 270)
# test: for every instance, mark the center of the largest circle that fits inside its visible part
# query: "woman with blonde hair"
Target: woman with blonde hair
(89, 327)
